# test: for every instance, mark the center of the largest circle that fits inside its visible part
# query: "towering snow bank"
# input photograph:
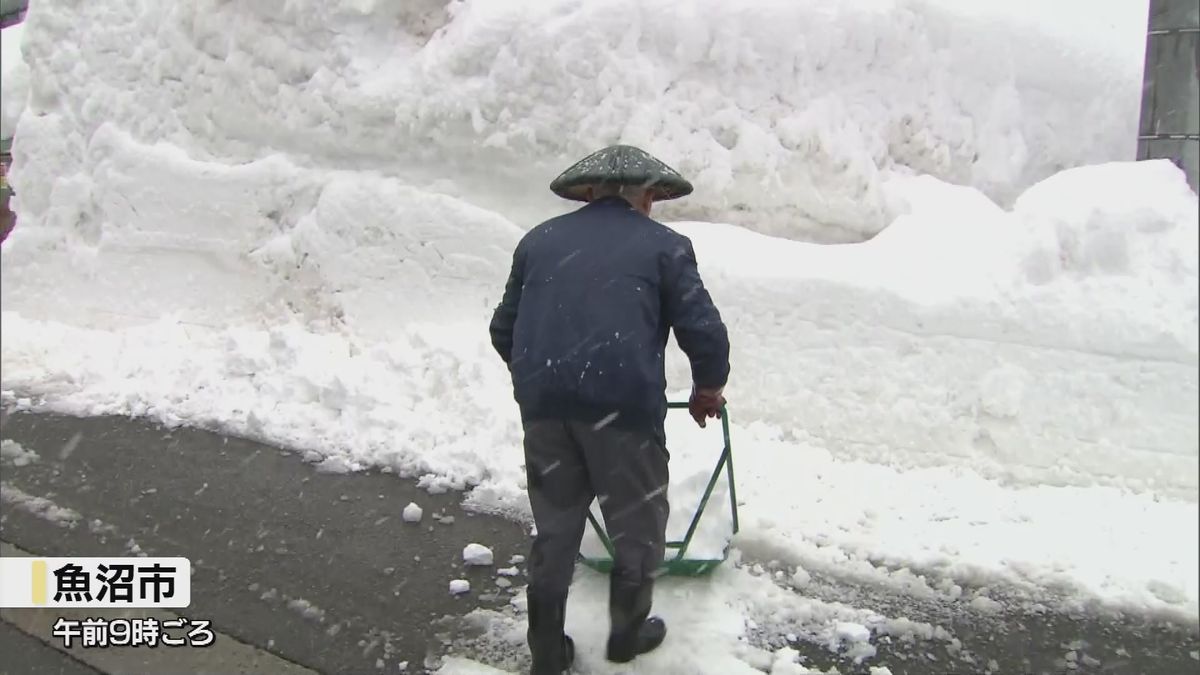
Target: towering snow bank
(237, 165)
(789, 116)
(1052, 343)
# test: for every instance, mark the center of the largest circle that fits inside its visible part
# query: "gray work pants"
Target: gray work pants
(567, 464)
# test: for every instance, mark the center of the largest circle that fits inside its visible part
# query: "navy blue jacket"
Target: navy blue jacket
(587, 309)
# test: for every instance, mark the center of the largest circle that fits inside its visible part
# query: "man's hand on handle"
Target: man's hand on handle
(705, 403)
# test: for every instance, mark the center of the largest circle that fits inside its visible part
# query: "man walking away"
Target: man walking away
(583, 326)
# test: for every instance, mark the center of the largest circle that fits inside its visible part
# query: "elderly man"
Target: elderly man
(583, 326)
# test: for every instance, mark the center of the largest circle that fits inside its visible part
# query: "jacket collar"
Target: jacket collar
(607, 202)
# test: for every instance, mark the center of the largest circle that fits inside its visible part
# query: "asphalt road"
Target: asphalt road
(317, 572)
(317, 568)
(25, 655)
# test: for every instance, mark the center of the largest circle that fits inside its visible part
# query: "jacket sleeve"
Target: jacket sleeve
(690, 312)
(505, 315)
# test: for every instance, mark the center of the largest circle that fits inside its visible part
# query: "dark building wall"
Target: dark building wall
(12, 11)
(1170, 121)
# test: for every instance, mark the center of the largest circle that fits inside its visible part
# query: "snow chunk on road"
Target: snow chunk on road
(16, 454)
(857, 638)
(43, 508)
(986, 605)
(520, 603)
(785, 663)
(412, 513)
(477, 554)
(852, 632)
(306, 609)
(508, 571)
(800, 578)
(460, 586)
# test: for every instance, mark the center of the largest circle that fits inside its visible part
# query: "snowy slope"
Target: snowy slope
(290, 221)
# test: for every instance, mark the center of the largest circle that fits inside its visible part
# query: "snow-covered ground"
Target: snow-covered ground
(291, 221)
(709, 620)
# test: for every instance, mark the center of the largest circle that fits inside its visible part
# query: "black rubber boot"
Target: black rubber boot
(553, 651)
(634, 631)
(646, 638)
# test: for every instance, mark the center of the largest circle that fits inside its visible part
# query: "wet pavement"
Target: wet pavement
(319, 570)
(25, 655)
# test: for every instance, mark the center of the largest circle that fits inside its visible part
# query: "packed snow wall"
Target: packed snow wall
(366, 171)
(788, 116)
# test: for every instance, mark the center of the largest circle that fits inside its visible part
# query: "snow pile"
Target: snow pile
(427, 404)
(1048, 343)
(460, 586)
(267, 240)
(477, 554)
(1045, 343)
(1053, 343)
(788, 115)
(922, 531)
(934, 532)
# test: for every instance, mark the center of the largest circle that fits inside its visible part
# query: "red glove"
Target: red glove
(705, 403)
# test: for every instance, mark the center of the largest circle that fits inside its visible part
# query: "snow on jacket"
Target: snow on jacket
(586, 313)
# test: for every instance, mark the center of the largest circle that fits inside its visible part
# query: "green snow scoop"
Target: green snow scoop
(677, 562)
